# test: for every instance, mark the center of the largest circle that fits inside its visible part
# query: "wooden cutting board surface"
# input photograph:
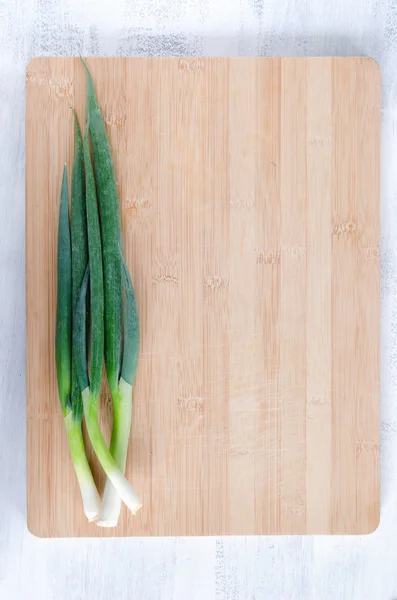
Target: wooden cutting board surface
(249, 192)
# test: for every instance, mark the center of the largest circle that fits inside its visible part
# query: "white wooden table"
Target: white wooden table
(319, 568)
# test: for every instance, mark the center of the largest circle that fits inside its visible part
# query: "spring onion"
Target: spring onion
(122, 404)
(90, 384)
(120, 369)
(70, 402)
(96, 317)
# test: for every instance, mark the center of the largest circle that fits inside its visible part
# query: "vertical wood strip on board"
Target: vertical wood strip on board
(267, 290)
(166, 301)
(189, 85)
(318, 294)
(344, 298)
(215, 280)
(293, 296)
(368, 310)
(244, 392)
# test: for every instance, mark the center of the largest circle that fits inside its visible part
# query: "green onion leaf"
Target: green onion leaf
(79, 246)
(64, 301)
(96, 274)
(111, 234)
(80, 335)
(131, 329)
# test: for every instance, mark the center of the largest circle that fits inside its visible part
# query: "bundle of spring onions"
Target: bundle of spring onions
(96, 317)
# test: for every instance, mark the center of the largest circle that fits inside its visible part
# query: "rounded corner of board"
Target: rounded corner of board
(372, 527)
(34, 530)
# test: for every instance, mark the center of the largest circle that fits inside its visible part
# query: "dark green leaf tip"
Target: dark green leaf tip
(64, 298)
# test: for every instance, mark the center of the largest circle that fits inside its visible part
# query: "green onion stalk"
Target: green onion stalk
(98, 286)
(122, 402)
(71, 259)
(121, 327)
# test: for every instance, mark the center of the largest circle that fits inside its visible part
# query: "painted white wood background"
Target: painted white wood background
(255, 568)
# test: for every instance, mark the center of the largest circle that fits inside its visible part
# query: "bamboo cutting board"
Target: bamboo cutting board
(249, 192)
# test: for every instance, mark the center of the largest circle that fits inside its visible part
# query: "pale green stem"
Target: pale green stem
(116, 476)
(122, 414)
(89, 492)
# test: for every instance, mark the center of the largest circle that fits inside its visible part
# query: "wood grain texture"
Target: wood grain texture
(249, 192)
